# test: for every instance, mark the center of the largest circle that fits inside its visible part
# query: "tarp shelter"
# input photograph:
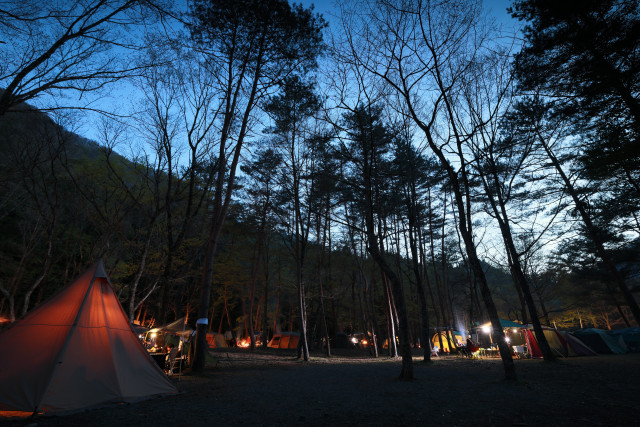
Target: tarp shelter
(600, 341)
(448, 344)
(75, 351)
(485, 337)
(285, 340)
(178, 328)
(139, 330)
(505, 323)
(176, 332)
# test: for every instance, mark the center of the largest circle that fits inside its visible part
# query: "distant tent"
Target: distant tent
(561, 343)
(575, 347)
(448, 345)
(285, 340)
(600, 341)
(76, 351)
(556, 342)
(630, 337)
(216, 340)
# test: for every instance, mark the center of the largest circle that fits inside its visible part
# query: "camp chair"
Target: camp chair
(474, 351)
(465, 352)
(171, 360)
(175, 365)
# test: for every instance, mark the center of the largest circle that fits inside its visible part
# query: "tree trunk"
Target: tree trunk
(391, 322)
(406, 372)
(414, 228)
(465, 225)
(498, 206)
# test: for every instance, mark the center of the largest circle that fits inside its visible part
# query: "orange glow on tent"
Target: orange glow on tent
(284, 340)
(75, 351)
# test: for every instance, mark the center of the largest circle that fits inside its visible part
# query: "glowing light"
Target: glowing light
(515, 331)
(153, 335)
(507, 339)
(486, 329)
(364, 342)
(354, 340)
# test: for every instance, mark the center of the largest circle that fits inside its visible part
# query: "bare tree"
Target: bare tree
(422, 50)
(503, 168)
(57, 48)
(34, 149)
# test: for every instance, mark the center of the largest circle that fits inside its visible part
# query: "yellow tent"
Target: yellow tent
(455, 338)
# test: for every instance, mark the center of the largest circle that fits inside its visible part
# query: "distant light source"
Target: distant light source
(486, 329)
(507, 339)
(153, 335)
(515, 331)
(354, 340)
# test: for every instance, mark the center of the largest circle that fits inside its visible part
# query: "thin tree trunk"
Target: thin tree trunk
(498, 206)
(414, 228)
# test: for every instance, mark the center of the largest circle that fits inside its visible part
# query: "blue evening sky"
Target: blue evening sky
(497, 8)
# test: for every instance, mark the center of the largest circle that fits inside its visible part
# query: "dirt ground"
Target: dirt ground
(272, 388)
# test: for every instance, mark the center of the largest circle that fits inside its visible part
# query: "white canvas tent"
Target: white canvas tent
(76, 351)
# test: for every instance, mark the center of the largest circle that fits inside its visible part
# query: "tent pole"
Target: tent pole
(184, 324)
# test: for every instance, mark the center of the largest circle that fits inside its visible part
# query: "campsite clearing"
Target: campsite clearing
(271, 387)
